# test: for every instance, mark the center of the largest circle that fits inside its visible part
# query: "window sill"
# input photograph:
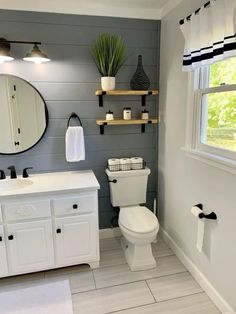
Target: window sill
(222, 163)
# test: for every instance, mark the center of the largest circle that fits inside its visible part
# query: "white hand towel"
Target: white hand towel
(75, 150)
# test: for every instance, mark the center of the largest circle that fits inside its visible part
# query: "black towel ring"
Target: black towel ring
(73, 115)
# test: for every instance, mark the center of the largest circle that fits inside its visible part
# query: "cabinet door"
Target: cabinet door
(30, 246)
(3, 256)
(76, 239)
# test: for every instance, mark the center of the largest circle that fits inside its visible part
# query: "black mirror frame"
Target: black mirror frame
(46, 117)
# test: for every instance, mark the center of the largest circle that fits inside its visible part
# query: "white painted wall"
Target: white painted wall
(184, 181)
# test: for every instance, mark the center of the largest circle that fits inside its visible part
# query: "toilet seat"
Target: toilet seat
(138, 219)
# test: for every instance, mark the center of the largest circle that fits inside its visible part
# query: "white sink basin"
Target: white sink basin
(14, 184)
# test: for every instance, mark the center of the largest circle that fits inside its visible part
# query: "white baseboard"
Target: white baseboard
(223, 306)
(109, 233)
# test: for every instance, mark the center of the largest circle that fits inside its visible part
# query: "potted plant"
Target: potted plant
(108, 52)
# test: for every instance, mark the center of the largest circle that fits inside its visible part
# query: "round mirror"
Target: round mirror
(24, 115)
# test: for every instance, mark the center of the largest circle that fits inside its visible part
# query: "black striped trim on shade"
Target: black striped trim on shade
(210, 55)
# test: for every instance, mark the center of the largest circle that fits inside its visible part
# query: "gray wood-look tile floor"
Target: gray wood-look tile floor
(113, 288)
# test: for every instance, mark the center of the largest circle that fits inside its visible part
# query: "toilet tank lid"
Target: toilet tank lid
(128, 173)
(138, 219)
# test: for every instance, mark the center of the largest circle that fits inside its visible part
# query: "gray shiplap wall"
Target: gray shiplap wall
(68, 84)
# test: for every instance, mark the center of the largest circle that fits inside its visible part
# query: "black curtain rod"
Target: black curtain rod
(188, 18)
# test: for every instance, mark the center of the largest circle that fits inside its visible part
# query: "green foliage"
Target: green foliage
(108, 52)
(222, 106)
(223, 72)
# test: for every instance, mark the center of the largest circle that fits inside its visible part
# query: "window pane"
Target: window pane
(223, 72)
(218, 125)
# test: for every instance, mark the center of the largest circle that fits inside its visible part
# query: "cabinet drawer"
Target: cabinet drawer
(82, 203)
(27, 210)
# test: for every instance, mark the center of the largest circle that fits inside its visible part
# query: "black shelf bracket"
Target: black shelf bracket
(144, 98)
(100, 99)
(143, 126)
(102, 128)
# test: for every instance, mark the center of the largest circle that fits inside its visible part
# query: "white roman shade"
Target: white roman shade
(209, 34)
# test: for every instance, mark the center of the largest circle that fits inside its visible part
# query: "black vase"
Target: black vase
(140, 80)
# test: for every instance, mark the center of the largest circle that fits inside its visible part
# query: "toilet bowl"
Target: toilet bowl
(139, 227)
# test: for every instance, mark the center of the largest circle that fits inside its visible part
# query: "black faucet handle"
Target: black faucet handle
(2, 175)
(25, 173)
(13, 172)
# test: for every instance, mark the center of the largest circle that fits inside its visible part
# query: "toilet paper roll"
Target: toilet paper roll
(136, 163)
(113, 161)
(125, 164)
(201, 227)
(114, 164)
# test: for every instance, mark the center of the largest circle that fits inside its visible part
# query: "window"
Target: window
(214, 111)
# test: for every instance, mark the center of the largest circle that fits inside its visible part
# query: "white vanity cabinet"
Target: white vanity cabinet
(75, 239)
(30, 246)
(49, 230)
(75, 228)
(3, 255)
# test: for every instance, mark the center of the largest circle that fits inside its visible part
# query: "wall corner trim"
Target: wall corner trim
(197, 274)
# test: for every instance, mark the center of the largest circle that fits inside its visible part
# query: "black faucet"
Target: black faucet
(25, 173)
(13, 172)
(2, 175)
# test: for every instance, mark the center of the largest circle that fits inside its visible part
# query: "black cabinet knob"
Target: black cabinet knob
(17, 143)
(0, 239)
(10, 237)
(75, 206)
(58, 230)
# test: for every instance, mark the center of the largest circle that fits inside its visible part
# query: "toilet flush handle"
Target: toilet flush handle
(113, 181)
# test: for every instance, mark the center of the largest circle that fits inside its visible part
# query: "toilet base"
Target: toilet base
(138, 257)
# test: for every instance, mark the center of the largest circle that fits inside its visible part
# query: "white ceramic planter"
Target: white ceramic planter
(108, 83)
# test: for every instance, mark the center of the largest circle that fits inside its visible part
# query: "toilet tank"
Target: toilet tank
(129, 187)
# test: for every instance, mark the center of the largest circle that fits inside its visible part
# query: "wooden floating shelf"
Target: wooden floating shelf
(123, 122)
(120, 92)
(142, 122)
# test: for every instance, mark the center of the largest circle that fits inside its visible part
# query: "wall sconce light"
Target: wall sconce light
(36, 55)
(5, 51)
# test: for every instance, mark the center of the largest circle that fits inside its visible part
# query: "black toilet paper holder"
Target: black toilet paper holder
(211, 216)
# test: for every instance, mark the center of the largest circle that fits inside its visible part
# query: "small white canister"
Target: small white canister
(127, 113)
(109, 115)
(125, 164)
(145, 115)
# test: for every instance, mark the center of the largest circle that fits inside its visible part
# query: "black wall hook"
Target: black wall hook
(211, 216)
(73, 115)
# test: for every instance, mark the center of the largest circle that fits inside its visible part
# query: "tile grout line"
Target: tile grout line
(126, 263)
(183, 296)
(130, 282)
(130, 308)
(155, 277)
(122, 284)
(169, 275)
(94, 280)
(151, 291)
(157, 302)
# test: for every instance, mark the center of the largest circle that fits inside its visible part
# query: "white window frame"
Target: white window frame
(198, 87)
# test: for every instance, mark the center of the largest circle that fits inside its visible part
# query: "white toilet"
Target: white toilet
(138, 225)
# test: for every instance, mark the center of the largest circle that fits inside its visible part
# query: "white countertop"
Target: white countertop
(55, 182)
